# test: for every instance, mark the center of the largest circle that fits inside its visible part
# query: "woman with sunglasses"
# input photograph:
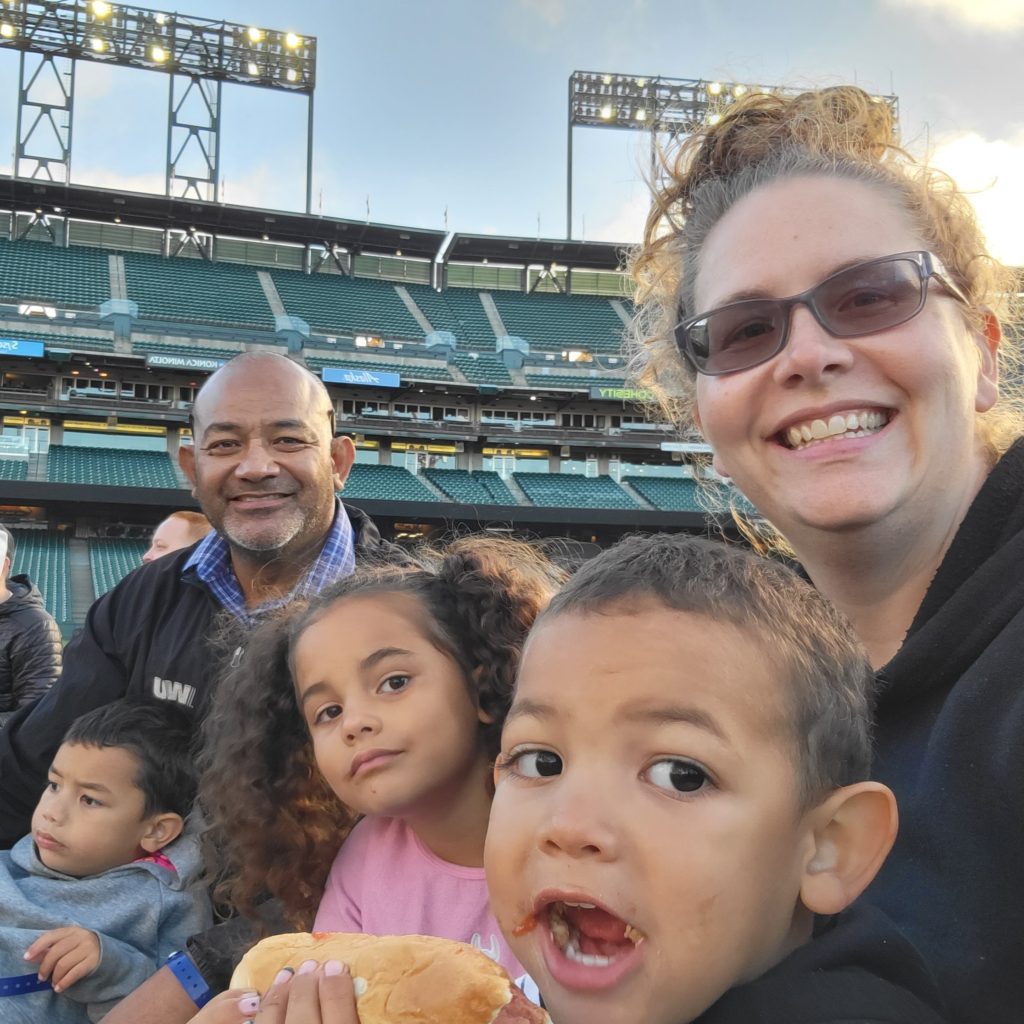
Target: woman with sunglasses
(820, 307)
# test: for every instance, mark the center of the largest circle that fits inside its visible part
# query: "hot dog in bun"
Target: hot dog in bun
(400, 979)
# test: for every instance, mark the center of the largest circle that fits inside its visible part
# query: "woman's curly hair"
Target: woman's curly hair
(275, 826)
(835, 132)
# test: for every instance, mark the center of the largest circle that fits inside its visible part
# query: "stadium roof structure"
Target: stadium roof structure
(143, 209)
(167, 212)
(544, 251)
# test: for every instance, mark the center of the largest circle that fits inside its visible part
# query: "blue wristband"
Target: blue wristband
(189, 978)
(22, 984)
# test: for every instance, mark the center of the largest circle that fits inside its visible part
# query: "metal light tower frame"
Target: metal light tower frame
(653, 104)
(197, 54)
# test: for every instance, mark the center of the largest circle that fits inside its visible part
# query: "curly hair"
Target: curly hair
(275, 826)
(836, 132)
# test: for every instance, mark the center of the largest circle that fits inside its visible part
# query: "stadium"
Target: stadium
(482, 377)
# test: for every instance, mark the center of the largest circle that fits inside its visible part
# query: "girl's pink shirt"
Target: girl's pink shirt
(384, 881)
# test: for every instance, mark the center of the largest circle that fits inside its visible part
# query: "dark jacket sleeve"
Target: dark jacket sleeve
(35, 659)
(93, 676)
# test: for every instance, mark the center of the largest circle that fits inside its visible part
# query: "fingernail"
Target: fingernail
(335, 967)
(307, 967)
(25, 956)
(283, 975)
(248, 1004)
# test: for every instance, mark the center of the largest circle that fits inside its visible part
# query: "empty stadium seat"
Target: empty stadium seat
(475, 329)
(565, 490)
(118, 467)
(79, 343)
(578, 382)
(673, 494)
(556, 322)
(346, 305)
(196, 291)
(13, 469)
(481, 487)
(386, 483)
(482, 368)
(112, 559)
(435, 307)
(143, 346)
(40, 271)
(44, 556)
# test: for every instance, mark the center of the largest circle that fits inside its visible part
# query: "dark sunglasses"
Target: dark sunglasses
(862, 299)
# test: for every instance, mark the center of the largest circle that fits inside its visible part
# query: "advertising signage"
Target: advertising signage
(183, 362)
(622, 394)
(20, 347)
(364, 378)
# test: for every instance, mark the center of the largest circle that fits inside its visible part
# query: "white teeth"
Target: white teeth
(851, 424)
(583, 906)
(572, 953)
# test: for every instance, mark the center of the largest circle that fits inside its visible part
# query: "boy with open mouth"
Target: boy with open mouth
(682, 815)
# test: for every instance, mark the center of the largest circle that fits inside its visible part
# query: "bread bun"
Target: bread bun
(411, 979)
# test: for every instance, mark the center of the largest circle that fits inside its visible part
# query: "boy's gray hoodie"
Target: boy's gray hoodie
(141, 913)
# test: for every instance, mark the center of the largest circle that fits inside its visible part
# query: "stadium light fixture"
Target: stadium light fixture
(199, 55)
(656, 105)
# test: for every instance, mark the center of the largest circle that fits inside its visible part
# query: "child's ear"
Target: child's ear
(482, 713)
(161, 830)
(854, 830)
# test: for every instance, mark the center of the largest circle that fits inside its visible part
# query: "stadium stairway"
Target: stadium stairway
(82, 591)
(432, 487)
(517, 492)
(636, 495)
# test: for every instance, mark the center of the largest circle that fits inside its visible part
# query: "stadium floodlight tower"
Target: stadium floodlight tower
(654, 104)
(197, 54)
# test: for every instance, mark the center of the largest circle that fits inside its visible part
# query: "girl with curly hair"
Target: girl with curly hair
(822, 308)
(373, 715)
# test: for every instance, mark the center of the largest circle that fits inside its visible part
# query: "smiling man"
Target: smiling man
(265, 467)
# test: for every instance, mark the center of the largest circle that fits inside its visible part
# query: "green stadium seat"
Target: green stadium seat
(77, 343)
(196, 291)
(111, 559)
(673, 494)
(482, 368)
(346, 305)
(557, 322)
(436, 308)
(475, 329)
(165, 348)
(566, 490)
(44, 556)
(116, 467)
(386, 483)
(41, 272)
(481, 487)
(13, 469)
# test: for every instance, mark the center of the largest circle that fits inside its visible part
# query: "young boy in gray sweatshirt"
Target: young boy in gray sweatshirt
(94, 900)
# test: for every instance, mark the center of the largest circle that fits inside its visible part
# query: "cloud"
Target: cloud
(626, 224)
(551, 12)
(991, 171)
(988, 15)
(263, 187)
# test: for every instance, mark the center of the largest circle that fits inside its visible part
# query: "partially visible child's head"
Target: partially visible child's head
(120, 787)
(681, 784)
(384, 695)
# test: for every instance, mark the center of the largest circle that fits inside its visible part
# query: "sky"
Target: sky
(453, 113)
